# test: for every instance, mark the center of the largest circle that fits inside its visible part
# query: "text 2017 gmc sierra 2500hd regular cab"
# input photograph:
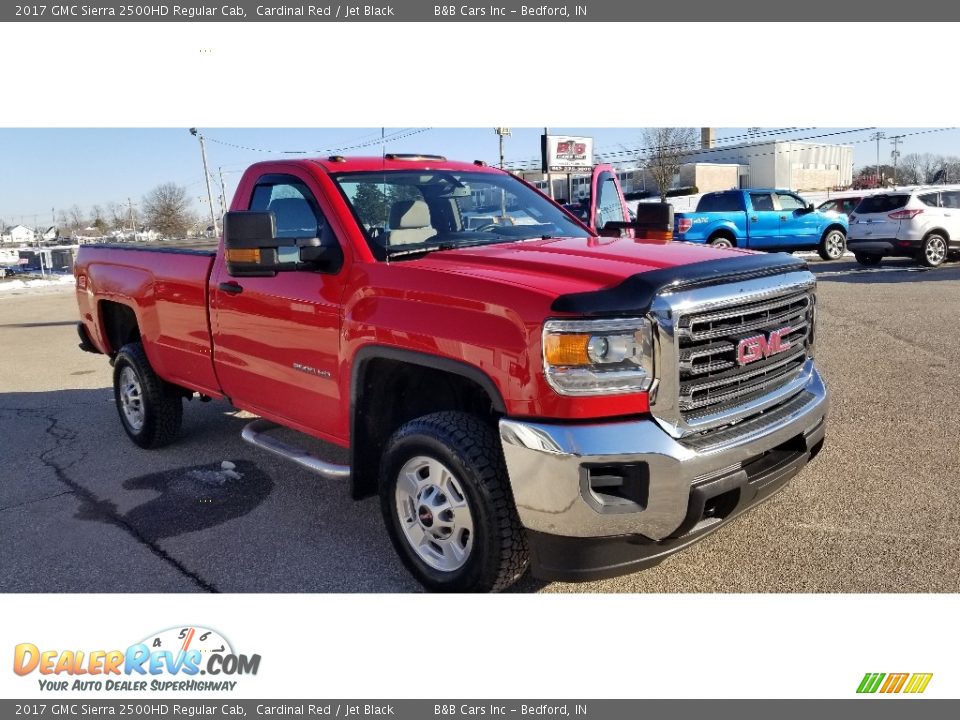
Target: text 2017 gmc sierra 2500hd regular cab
(519, 391)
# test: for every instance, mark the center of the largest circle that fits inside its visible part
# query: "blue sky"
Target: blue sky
(42, 169)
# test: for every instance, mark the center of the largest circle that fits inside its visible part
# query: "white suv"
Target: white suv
(922, 223)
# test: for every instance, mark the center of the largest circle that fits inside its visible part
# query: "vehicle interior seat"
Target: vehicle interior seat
(410, 222)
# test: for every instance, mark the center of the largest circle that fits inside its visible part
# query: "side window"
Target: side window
(950, 199)
(830, 206)
(293, 205)
(609, 208)
(790, 202)
(930, 199)
(847, 206)
(721, 202)
(761, 201)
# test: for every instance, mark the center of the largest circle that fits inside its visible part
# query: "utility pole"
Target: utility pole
(895, 141)
(502, 132)
(223, 193)
(878, 136)
(133, 222)
(206, 176)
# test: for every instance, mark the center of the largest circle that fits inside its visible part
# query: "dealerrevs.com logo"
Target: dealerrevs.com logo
(174, 659)
(892, 683)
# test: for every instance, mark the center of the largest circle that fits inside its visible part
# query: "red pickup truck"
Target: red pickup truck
(521, 391)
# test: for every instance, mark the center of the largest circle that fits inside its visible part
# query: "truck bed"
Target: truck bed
(166, 286)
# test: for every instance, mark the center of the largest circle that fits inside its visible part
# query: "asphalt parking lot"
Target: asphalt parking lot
(84, 510)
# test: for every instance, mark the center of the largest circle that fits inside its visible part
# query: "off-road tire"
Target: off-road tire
(162, 403)
(470, 448)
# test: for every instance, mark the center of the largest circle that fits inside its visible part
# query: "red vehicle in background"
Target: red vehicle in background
(518, 389)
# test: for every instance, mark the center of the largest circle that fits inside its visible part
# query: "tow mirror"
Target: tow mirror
(252, 248)
(249, 244)
(653, 224)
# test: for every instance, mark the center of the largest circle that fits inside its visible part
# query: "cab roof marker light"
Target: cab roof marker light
(414, 157)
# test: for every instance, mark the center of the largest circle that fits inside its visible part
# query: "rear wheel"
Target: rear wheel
(448, 507)
(868, 260)
(150, 409)
(832, 245)
(933, 251)
(721, 241)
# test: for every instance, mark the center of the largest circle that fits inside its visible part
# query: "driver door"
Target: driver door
(798, 226)
(277, 339)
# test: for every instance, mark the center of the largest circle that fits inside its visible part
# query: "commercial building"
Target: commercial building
(801, 165)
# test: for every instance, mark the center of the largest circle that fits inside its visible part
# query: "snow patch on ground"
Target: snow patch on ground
(57, 281)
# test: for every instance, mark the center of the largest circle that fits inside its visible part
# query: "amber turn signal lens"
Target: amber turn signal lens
(664, 236)
(251, 255)
(566, 349)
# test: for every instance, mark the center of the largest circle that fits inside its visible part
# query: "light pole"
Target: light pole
(206, 176)
(878, 136)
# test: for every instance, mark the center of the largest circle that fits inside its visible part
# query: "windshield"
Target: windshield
(405, 212)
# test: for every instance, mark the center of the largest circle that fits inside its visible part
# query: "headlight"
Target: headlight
(598, 357)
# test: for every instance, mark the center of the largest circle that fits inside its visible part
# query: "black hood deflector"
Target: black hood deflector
(635, 295)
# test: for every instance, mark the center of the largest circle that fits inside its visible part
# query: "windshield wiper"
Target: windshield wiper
(422, 250)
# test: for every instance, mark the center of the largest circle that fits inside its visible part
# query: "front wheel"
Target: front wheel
(832, 245)
(933, 251)
(150, 409)
(448, 507)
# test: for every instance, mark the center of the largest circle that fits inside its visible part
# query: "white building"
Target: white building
(790, 164)
(19, 235)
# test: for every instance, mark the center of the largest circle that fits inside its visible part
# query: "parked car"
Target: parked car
(763, 219)
(922, 223)
(494, 385)
(843, 205)
(6, 272)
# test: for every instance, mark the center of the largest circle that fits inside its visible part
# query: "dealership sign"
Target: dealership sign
(566, 153)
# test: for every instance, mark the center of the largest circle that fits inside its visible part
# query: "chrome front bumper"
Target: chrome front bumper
(549, 467)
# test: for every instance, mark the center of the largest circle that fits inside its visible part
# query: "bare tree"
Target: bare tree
(908, 169)
(116, 215)
(167, 210)
(75, 217)
(951, 170)
(666, 149)
(98, 219)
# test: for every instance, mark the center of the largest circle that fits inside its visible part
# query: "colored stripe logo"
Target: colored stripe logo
(913, 683)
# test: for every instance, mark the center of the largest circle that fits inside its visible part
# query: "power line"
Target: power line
(709, 151)
(390, 137)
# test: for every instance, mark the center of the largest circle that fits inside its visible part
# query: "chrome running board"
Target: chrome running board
(255, 433)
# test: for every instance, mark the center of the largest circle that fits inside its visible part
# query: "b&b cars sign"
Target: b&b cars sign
(566, 153)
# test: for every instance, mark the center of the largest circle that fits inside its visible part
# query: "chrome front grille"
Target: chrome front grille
(712, 375)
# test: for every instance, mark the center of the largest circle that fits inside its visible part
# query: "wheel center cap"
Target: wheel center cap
(425, 515)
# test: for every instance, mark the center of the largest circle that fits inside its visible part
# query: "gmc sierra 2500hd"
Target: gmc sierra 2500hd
(519, 391)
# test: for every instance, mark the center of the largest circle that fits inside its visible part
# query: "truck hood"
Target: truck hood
(560, 266)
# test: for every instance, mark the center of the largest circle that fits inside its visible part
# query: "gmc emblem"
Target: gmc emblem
(758, 347)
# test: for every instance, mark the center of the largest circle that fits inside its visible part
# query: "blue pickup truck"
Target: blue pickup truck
(760, 219)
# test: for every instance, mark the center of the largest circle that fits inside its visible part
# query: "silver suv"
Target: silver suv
(922, 223)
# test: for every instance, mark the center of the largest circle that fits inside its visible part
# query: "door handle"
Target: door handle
(753, 218)
(783, 217)
(231, 287)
